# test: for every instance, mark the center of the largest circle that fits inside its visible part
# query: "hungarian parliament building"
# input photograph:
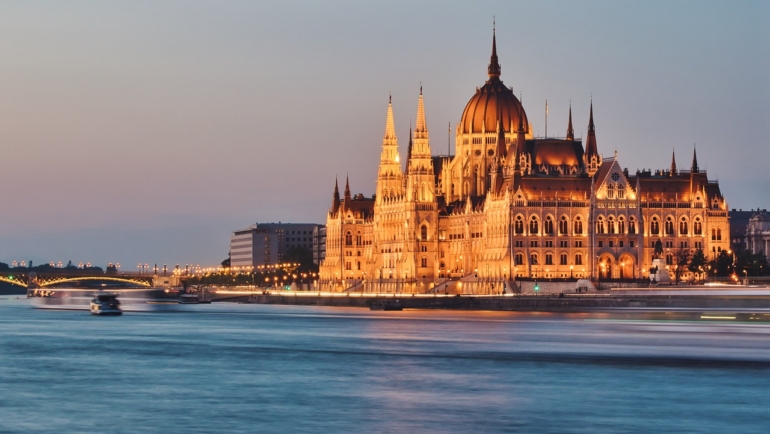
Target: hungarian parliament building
(510, 205)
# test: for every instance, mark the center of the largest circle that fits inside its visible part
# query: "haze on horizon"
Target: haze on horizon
(148, 131)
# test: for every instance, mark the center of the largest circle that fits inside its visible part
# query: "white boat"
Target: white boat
(105, 303)
(131, 299)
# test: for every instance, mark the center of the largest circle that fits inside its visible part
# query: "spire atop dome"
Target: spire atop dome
(694, 168)
(570, 131)
(494, 65)
(501, 150)
(591, 118)
(673, 163)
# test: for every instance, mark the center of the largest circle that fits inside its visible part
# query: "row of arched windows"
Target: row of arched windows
(548, 226)
(669, 227)
(612, 226)
(533, 259)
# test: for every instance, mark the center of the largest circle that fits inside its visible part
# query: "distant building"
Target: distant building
(758, 233)
(319, 244)
(739, 220)
(266, 243)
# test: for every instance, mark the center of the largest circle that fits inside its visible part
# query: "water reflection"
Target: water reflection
(252, 368)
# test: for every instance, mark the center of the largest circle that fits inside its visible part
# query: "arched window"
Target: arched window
(713, 234)
(654, 226)
(600, 225)
(358, 238)
(610, 191)
(423, 193)
(669, 259)
(519, 225)
(578, 226)
(348, 239)
(424, 262)
(719, 234)
(697, 228)
(610, 225)
(424, 232)
(621, 225)
(669, 226)
(519, 259)
(631, 225)
(548, 259)
(548, 225)
(683, 226)
(621, 192)
(533, 259)
(533, 226)
(563, 226)
(578, 259)
(563, 259)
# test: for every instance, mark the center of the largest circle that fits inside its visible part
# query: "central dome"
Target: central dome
(491, 103)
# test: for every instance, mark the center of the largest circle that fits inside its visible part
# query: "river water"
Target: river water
(234, 368)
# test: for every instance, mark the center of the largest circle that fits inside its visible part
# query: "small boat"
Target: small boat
(105, 303)
(386, 305)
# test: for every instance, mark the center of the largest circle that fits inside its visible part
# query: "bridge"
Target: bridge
(43, 280)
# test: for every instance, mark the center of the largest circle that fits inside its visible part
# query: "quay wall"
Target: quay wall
(540, 303)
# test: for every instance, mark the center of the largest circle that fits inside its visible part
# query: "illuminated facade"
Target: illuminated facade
(508, 204)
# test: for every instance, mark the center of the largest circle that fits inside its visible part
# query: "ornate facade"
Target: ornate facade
(509, 205)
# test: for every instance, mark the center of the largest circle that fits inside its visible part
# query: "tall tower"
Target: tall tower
(390, 183)
(591, 158)
(420, 181)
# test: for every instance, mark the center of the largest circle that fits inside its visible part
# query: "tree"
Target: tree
(226, 262)
(722, 264)
(302, 256)
(681, 259)
(698, 262)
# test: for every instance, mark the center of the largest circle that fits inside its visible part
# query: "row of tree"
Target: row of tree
(48, 268)
(724, 264)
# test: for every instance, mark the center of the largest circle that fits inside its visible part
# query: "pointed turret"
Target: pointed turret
(501, 151)
(570, 131)
(694, 168)
(335, 198)
(494, 65)
(421, 127)
(390, 176)
(348, 198)
(409, 149)
(672, 171)
(591, 157)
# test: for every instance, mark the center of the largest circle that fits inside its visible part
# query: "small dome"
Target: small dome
(490, 103)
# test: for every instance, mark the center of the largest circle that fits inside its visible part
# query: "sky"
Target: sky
(146, 131)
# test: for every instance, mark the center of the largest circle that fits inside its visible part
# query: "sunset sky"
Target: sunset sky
(146, 131)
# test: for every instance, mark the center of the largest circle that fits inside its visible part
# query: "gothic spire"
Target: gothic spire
(347, 189)
(421, 127)
(591, 148)
(673, 163)
(501, 150)
(336, 197)
(570, 131)
(390, 126)
(409, 148)
(494, 65)
(694, 168)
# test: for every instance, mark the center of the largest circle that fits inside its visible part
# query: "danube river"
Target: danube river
(287, 369)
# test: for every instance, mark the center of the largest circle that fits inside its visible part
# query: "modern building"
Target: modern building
(319, 244)
(758, 233)
(509, 204)
(266, 243)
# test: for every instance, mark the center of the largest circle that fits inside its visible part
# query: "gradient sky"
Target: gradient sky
(148, 131)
